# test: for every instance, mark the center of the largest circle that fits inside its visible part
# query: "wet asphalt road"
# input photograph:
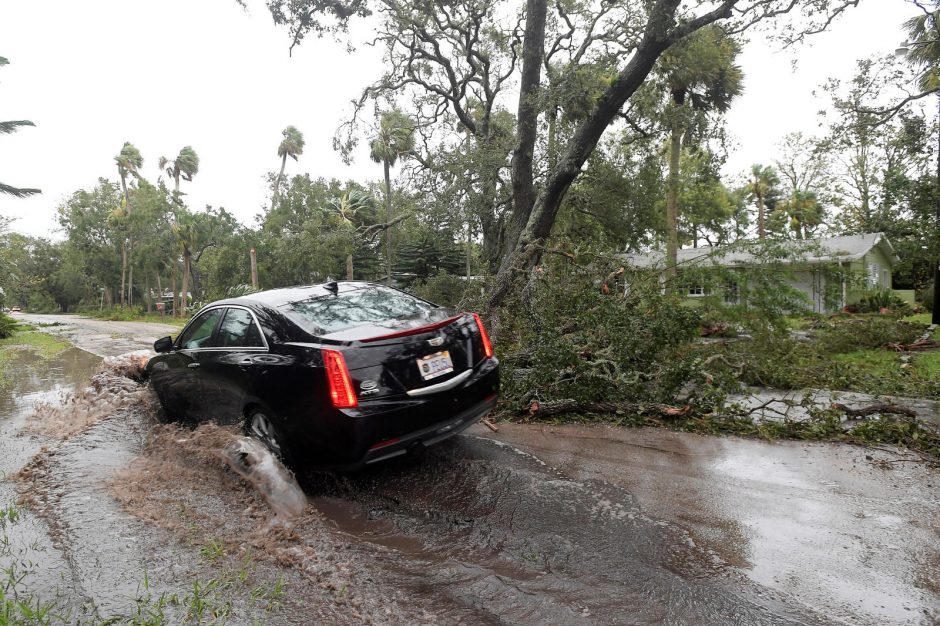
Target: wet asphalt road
(533, 524)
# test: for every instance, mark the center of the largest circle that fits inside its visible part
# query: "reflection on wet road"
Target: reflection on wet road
(829, 525)
(494, 536)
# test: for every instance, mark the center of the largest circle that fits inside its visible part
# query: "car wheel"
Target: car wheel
(165, 415)
(262, 427)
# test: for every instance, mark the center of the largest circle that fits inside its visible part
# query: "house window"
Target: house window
(873, 274)
(886, 279)
(696, 291)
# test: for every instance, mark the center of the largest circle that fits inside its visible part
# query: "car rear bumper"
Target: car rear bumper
(384, 428)
(435, 433)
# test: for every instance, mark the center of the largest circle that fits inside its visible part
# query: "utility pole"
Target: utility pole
(254, 268)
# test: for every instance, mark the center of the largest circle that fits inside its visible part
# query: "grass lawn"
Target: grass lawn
(118, 314)
(924, 318)
(880, 363)
(927, 365)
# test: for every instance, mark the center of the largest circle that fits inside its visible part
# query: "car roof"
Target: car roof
(275, 298)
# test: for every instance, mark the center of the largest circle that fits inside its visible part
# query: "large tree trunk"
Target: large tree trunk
(123, 270)
(486, 202)
(523, 186)
(660, 32)
(184, 299)
(388, 220)
(672, 196)
(540, 219)
(173, 285)
(124, 239)
(147, 292)
(277, 181)
(196, 281)
(935, 317)
(130, 272)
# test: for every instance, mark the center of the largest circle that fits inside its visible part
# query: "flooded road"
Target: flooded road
(534, 524)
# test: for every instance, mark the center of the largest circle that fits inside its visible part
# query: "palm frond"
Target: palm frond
(13, 125)
(4, 61)
(17, 192)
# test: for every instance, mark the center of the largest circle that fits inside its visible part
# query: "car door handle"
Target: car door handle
(193, 366)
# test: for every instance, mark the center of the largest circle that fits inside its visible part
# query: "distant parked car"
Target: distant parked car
(335, 375)
(15, 309)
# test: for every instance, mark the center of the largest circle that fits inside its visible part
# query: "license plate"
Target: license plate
(434, 365)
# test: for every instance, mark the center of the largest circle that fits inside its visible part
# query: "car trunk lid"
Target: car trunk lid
(399, 356)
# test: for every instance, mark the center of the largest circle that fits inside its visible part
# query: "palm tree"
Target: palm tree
(763, 188)
(129, 161)
(395, 138)
(805, 213)
(185, 166)
(184, 230)
(291, 146)
(7, 128)
(353, 208)
(700, 75)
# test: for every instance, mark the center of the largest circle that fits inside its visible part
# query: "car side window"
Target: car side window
(199, 333)
(238, 330)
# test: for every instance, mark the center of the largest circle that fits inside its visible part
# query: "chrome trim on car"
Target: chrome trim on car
(264, 339)
(444, 386)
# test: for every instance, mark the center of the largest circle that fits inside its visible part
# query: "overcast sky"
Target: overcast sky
(205, 73)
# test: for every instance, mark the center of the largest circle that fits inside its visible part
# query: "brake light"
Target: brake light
(341, 389)
(487, 346)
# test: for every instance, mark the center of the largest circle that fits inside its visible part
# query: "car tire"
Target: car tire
(165, 415)
(261, 426)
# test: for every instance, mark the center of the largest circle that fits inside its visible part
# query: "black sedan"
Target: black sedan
(335, 375)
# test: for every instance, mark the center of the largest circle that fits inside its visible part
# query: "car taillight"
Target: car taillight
(487, 346)
(341, 389)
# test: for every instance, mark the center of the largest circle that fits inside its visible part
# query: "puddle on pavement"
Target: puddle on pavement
(25, 546)
(818, 522)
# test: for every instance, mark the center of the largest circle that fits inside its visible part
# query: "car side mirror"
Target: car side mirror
(163, 344)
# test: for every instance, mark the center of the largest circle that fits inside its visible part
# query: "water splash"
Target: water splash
(256, 464)
(115, 386)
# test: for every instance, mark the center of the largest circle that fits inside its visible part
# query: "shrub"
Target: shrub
(926, 298)
(884, 299)
(117, 314)
(7, 326)
(847, 334)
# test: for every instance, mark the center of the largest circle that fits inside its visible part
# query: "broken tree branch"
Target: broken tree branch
(873, 409)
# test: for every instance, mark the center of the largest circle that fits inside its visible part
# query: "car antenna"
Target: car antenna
(332, 287)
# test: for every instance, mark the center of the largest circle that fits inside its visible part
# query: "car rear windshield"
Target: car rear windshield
(329, 314)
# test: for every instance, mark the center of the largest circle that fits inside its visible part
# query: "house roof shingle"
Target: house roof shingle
(820, 250)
